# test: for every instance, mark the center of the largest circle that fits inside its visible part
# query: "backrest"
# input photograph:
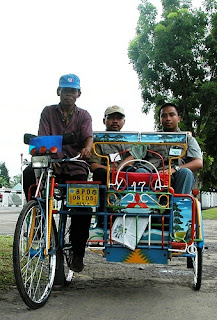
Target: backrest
(137, 141)
(150, 181)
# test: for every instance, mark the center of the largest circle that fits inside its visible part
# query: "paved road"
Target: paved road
(110, 291)
(8, 219)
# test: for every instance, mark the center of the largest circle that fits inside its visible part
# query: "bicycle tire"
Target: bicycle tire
(64, 274)
(34, 271)
(67, 253)
(197, 266)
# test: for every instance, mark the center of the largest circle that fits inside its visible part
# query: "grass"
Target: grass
(6, 263)
(210, 214)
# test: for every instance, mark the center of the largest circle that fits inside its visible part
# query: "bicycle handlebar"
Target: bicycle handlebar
(76, 158)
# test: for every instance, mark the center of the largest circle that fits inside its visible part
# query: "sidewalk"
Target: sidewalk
(10, 209)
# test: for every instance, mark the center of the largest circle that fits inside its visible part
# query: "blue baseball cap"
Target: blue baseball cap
(69, 81)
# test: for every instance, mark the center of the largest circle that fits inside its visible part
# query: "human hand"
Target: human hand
(85, 153)
(167, 171)
(55, 166)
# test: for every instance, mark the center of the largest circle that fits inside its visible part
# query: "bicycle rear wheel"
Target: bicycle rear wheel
(197, 265)
(34, 270)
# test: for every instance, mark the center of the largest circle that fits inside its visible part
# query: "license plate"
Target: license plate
(86, 195)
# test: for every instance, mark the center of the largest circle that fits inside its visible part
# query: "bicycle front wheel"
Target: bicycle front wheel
(33, 269)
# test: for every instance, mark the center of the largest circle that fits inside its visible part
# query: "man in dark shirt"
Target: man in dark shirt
(66, 117)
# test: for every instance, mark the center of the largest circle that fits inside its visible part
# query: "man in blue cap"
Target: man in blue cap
(66, 117)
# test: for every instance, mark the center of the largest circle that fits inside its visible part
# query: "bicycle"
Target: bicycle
(41, 251)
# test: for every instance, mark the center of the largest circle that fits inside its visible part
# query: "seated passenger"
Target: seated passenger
(114, 119)
(183, 169)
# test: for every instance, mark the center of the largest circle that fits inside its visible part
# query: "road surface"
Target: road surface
(124, 291)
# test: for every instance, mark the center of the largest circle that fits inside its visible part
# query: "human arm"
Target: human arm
(123, 164)
(86, 151)
(85, 133)
(115, 154)
(194, 158)
(95, 160)
(44, 123)
(193, 165)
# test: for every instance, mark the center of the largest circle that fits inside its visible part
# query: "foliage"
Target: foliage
(15, 180)
(176, 61)
(4, 176)
(5, 180)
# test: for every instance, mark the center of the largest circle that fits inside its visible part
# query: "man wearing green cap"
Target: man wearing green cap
(58, 119)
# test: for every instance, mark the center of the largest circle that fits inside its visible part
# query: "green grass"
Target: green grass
(210, 214)
(6, 263)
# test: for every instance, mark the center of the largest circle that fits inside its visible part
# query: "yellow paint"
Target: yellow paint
(97, 251)
(49, 222)
(137, 256)
(198, 219)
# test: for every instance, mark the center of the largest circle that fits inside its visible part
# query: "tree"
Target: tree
(15, 180)
(175, 60)
(4, 176)
(208, 95)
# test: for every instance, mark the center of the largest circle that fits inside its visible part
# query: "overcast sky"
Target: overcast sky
(42, 40)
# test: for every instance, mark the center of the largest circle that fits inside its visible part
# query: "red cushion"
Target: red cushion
(137, 177)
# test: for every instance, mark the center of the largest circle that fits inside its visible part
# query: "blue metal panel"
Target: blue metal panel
(163, 137)
(144, 137)
(110, 136)
(145, 200)
(46, 141)
(182, 212)
(143, 256)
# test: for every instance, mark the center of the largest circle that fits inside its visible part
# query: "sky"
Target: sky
(42, 40)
